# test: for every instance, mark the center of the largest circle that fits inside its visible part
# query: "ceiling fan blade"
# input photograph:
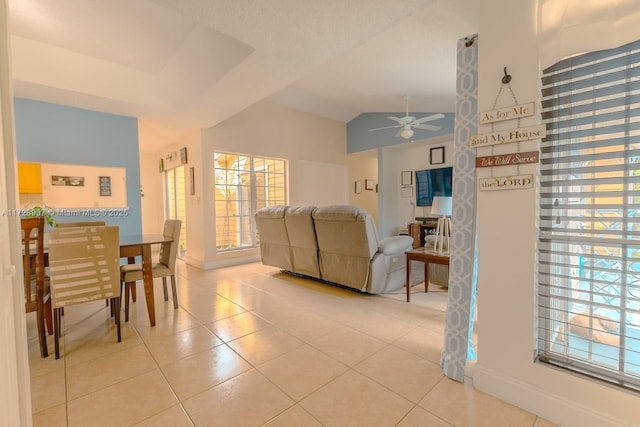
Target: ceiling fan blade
(396, 119)
(429, 118)
(386, 127)
(427, 127)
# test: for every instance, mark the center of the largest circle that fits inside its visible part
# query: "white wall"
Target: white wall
(270, 130)
(506, 252)
(398, 211)
(362, 166)
(153, 148)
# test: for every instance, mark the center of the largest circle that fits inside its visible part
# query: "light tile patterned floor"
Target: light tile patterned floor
(250, 346)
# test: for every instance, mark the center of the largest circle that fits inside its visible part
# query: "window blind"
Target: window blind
(589, 216)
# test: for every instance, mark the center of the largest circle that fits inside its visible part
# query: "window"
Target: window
(244, 184)
(589, 246)
(176, 201)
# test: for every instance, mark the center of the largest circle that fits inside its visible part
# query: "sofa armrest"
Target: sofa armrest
(395, 244)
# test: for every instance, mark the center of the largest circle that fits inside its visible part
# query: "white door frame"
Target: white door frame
(15, 388)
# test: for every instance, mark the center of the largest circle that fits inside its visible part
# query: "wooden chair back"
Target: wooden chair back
(36, 295)
(80, 224)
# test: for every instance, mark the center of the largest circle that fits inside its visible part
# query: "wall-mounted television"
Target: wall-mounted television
(431, 183)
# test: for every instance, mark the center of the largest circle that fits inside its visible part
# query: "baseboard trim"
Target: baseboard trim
(552, 407)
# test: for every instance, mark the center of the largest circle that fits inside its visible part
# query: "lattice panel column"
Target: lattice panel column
(458, 346)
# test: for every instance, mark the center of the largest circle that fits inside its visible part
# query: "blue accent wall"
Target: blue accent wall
(360, 138)
(51, 133)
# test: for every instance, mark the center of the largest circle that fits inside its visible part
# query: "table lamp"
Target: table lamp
(442, 207)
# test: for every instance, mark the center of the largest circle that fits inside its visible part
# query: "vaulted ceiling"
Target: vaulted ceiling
(194, 63)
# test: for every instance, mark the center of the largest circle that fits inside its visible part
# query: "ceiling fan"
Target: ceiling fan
(408, 123)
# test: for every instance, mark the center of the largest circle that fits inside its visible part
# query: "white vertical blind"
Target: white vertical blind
(589, 247)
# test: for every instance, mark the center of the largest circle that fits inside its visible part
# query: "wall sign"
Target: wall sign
(507, 159)
(508, 136)
(506, 183)
(507, 113)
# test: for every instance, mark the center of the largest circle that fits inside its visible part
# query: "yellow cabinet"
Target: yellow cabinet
(29, 178)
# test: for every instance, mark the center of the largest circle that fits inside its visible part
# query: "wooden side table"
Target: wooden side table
(427, 257)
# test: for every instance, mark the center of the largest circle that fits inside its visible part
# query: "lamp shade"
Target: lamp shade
(441, 206)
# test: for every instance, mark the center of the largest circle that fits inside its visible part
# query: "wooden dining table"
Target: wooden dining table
(140, 245)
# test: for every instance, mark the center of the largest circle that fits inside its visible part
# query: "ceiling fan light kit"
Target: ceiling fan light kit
(406, 133)
(408, 123)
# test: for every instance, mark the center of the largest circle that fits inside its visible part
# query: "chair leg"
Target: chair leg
(116, 303)
(133, 291)
(56, 330)
(127, 290)
(42, 334)
(173, 291)
(164, 288)
(48, 316)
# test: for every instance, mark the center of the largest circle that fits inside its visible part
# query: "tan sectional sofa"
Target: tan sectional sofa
(337, 244)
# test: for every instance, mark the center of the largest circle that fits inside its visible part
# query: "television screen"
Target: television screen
(431, 183)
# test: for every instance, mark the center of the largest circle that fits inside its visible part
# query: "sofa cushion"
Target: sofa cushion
(272, 212)
(347, 213)
(302, 238)
(395, 244)
(275, 248)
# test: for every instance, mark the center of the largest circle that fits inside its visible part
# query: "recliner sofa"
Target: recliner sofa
(337, 244)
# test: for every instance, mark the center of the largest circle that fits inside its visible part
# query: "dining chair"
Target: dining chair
(36, 283)
(84, 266)
(84, 224)
(165, 267)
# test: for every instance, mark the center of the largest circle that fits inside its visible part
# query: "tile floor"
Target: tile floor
(250, 346)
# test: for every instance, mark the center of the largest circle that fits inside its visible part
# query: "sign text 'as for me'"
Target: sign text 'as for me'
(508, 113)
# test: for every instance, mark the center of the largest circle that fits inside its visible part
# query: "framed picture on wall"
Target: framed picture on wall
(358, 187)
(105, 185)
(406, 192)
(192, 181)
(368, 184)
(406, 178)
(436, 155)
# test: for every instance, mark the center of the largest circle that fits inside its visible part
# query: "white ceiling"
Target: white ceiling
(179, 64)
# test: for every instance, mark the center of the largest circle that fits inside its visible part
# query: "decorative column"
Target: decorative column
(458, 345)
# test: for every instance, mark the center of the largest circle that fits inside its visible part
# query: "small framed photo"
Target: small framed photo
(358, 187)
(436, 155)
(183, 155)
(368, 184)
(406, 192)
(192, 181)
(105, 185)
(406, 178)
